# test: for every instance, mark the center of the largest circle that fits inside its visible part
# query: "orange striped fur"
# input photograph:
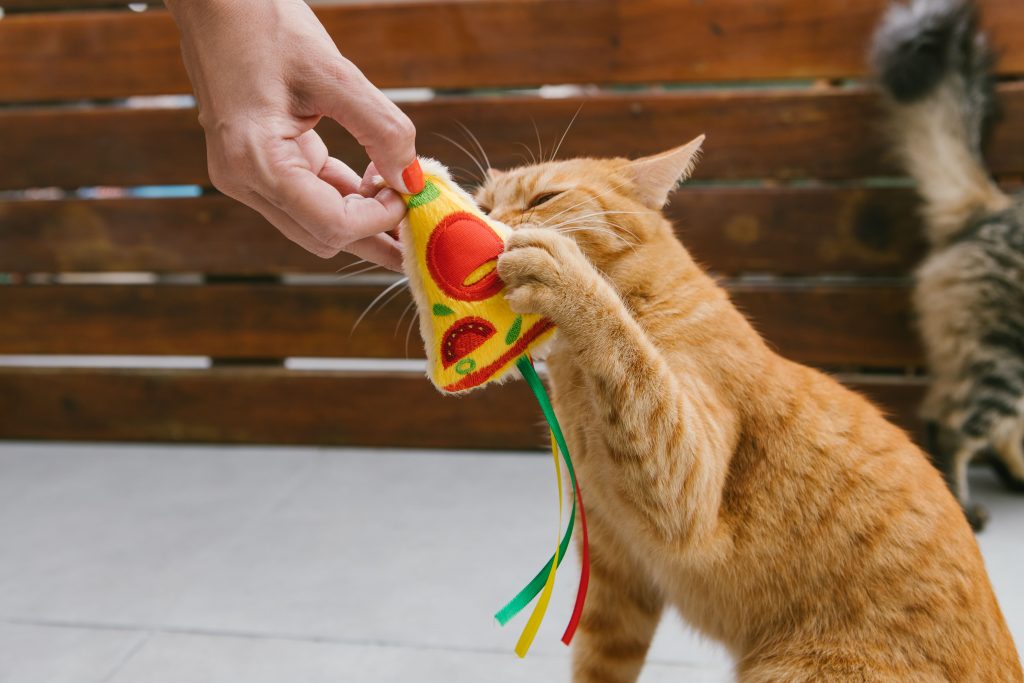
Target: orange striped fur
(777, 511)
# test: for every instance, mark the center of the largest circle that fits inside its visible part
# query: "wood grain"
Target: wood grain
(267, 405)
(57, 5)
(493, 43)
(261, 405)
(210, 234)
(860, 325)
(800, 231)
(828, 325)
(805, 231)
(786, 134)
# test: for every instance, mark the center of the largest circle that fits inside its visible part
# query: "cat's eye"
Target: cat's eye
(542, 199)
(484, 208)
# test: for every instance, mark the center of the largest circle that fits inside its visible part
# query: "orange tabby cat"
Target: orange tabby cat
(779, 512)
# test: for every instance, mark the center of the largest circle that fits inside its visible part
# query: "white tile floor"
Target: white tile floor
(126, 564)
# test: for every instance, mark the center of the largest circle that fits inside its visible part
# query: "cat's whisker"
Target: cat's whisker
(356, 273)
(483, 172)
(533, 157)
(572, 227)
(600, 230)
(351, 265)
(567, 225)
(476, 141)
(591, 198)
(408, 332)
(562, 139)
(401, 318)
(597, 229)
(397, 284)
(597, 214)
(620, 226)
(540, 145)
(602, 212)
(462, 174)
(522, 157)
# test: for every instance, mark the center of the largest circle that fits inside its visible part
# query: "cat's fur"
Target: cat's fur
(777, 511)
(969, 295)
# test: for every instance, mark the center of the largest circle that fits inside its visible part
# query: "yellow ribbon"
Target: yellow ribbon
(537, 616)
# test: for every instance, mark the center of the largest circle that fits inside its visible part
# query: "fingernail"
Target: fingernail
(413, 177)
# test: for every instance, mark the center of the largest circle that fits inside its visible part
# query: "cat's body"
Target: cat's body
(969, 292)
(776, 510)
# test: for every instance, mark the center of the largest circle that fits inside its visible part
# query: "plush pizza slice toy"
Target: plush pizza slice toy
(471, 335)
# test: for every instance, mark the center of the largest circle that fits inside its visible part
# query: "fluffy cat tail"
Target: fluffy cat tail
(935, 66)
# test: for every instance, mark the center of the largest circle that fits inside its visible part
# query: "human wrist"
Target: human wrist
(192, 13)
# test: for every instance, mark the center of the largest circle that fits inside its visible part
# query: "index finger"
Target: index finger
(384, 130)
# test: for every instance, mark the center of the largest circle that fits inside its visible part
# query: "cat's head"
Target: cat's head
(606, 205)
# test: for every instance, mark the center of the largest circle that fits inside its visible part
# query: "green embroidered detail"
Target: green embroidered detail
(514, 331)
(440, 310)
(427, 195)
(465, 366)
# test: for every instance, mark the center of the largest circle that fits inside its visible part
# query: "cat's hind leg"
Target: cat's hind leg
(1008, 452)
(951, 452)
(991, 431)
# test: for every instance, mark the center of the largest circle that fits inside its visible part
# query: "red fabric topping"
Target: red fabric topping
(485, 374)
(459, 245)
(463, 338)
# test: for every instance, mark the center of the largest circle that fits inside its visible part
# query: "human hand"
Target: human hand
(264, 73)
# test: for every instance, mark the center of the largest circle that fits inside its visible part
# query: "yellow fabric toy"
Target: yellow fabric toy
(473, 337)
(471, 334)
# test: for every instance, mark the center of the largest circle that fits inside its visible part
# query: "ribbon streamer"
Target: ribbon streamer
(543, 582)
(533, 623)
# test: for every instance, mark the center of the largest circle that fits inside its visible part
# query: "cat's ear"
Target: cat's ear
(657, 175)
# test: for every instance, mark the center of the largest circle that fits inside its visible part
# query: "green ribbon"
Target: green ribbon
(530, 591)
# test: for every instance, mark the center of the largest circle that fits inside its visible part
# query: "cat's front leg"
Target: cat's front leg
(668, 435)
(620, 617)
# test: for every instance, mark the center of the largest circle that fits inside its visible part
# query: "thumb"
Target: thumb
(384, 131)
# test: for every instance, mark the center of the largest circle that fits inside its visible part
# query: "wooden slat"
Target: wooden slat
(211, 234)
(807, 231)
(51, 5)
(780, 134)
(88, 147)
(831, 326)
(460, 43)
(261, 405)
(266, 405)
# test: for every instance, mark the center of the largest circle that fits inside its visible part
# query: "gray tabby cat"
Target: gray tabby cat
(935, 67)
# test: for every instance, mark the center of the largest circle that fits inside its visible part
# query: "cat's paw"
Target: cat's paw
(544, 272)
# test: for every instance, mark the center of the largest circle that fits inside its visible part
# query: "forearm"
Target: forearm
(193, 12)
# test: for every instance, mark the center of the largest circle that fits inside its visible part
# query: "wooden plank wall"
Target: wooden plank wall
(795, 205)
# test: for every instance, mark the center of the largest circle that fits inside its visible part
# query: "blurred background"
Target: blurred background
(210, 472)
